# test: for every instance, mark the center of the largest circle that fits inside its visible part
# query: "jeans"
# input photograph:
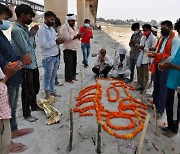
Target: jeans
(160, 90)
(86, 51)
(13, 92)
(70, 60)
(56, 79)
(50, 65)
(30, 88)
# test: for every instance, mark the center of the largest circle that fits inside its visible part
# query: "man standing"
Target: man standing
(56, 27)
(49, 42)
(166, 48)
(134, 51)
(148, 41)
(23, 43)
(87, 34)
(173, 82)
(71, 44)
(7, 56)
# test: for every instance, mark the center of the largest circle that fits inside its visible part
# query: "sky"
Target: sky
(145, 10)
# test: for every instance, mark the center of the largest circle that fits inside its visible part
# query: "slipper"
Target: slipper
(61, 84)
(22, 132)
(17, 147)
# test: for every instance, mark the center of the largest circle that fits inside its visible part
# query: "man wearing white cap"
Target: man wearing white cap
(71, 45)
(120, 66)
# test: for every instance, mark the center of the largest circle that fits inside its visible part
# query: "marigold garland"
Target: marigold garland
(93, 94)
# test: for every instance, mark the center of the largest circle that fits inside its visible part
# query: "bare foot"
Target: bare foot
(21, 132)
(17, 147)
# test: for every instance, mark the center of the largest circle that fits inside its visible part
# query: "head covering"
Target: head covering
(122, 49)
(154, 29)
(72, 17)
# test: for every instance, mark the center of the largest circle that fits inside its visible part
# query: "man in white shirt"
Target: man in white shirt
(49, 42)
(103, 64)
(71, 39)
(148, 41)
(120, 66)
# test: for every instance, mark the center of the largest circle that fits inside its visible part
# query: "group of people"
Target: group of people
(150, 53)
(18, 65)
(158, 54)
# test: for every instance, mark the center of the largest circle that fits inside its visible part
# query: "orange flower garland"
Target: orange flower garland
(93, 94)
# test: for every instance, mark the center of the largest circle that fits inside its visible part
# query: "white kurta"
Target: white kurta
(122, 70)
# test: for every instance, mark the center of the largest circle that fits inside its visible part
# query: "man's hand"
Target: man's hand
(60, 41)
(78, 36)
(152, 49)
(120, 65)
(9, 70)
(165, 66)
(26, 59)
(141, 47)
(33, 30)
(151, 54)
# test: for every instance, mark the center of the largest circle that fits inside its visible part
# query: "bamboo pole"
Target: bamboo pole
(145, 89)
(71, 120)
(99, 139)
(82, 82)
(141, 141)
(156, 123)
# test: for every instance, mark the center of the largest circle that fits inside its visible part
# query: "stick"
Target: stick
(144, 91)
(71, 120)
(156, 123)
(82, 84)
(141, 141)
(99, 139)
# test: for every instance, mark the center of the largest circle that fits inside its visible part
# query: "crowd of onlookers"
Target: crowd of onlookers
(150, 52)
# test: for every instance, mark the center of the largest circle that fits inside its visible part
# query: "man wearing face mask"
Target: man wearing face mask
(134, 51)
(71, 44)
(87, 35)
(166, 49)
(49, 41)
(7, 55)
(148, 41)
(23, 43)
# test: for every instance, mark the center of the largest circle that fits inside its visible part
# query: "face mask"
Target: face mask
(29, 22)
(49, 24)
(5, 25)
(146, 34)
(165, 32)
(87, 25)
(136, 32)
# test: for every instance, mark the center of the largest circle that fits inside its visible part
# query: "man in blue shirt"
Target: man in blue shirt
(24, 46)
(7, 56)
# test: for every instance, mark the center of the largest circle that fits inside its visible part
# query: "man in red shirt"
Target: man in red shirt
(87, 34)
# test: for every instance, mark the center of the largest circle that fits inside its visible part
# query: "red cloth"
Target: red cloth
(87, 34)
(5, 111)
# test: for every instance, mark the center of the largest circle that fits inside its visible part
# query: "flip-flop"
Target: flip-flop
(18, 147)
(22, 132)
